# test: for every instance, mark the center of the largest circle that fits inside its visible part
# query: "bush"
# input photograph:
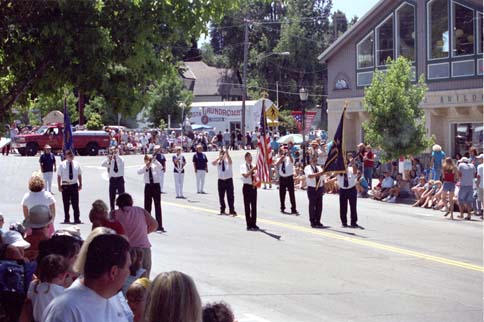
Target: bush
(95, 122)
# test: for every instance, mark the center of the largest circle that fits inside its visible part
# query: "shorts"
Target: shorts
(465, 195)
(220, 144)
(449, 187)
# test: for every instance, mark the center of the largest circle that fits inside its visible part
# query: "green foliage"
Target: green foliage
(286, 121)
(167, 96)
(301, 27)
(94, 122)
(113, 49)
(396, 122)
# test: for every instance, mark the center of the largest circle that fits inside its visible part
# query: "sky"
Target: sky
(350, 7)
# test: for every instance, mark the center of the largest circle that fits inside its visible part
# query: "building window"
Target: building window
(384, 43)
(463, 30)
(364, 52)
(406, 31)
(479, 32)
(438, 28)
(465, 136)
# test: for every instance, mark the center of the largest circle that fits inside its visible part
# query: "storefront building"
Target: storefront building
(442, 38)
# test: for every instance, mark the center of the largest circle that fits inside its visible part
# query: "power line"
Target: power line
(273, 90)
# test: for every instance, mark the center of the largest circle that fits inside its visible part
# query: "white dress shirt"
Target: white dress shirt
(244, 169)
(311, 182)
(351, 179)
(227, 174)
(289, 167)
(110, 165)
(63, 172)
(156, 170)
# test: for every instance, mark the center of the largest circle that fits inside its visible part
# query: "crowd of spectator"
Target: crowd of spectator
(53, 275)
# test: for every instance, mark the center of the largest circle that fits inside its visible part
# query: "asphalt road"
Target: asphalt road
(407, 265)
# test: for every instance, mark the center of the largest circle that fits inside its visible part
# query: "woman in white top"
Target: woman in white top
(38, 196)
(179, 163)
(315, 183)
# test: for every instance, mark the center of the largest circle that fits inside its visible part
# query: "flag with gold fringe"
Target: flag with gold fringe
(336, 161)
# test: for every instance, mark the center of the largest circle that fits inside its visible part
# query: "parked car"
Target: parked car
(84, 142)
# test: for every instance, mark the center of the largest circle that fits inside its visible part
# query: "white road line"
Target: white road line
(252, 318)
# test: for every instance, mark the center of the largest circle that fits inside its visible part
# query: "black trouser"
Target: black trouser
(287, 183)
(226, 186)
(250, 204)
(346, 195)
(116, 186)
(315, 205)
(6, 149)
(70, 195)
(153, 193)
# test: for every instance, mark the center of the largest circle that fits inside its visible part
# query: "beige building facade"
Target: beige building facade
(452, 67)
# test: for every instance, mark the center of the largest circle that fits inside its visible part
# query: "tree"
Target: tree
(396, 122)
(168, 96)
(114, 49)
(94, 122)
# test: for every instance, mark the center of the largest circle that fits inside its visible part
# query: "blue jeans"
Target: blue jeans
(368, 174)
(437, 173)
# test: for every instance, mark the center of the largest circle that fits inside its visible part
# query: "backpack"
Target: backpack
(15, 277)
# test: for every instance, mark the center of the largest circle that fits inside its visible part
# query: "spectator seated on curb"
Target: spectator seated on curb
(386, 185)
(15, 246)
(217, 312)
(420, 187)
(361, 185)
(376, 190)
(401, 189)
(331, 185)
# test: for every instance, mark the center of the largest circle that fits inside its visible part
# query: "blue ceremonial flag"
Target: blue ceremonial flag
(67, 142)
(336, 161)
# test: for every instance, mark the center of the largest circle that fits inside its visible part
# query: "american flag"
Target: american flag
(264, 155)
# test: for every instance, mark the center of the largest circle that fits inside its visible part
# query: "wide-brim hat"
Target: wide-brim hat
(436, 148)
(14, 238)
(73, 231)
(464, 159)
(39, 217)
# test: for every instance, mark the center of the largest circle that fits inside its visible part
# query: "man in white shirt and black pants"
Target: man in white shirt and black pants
(115, 165)
(285, 166)
(348, 193)
(225, 182)
(249, 191)
(315, 183)
(69, 181)
(151, 176)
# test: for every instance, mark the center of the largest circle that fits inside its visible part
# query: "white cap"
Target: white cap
(12, 237)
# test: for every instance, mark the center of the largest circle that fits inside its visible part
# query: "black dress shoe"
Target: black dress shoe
(66, 222)
(283, 211)
(345, 226)
(161, 230)
(233, 213)
(222, 212)
(255, 227)
(78, 222)
(295, 212)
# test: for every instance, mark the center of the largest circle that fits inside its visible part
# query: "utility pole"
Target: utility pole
(244, 79)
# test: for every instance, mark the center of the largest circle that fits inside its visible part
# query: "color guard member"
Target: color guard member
(249, 191)
(348, 193)
(115, 165)
(151, 171)
(315, 182)
(285, 166)
(69, 181)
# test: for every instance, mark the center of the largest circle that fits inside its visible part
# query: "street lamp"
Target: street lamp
(303, 95)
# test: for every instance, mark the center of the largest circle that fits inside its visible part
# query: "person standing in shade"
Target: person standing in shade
(315, 182)
(151, 175)
(249, 191)
(115, 165)
(69, 181)
(368, 164)
(348, 193)
(285, 167)
(162, 160)
(225, 182)
(179, 163)
(200, 163)
(48, 167)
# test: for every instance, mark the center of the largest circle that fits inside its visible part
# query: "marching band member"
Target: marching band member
(348, 193)
(315, 183)
(115, 165)
(285, 166)
(249, 191)
(151, 171)
(161, 159)
(179, 163)
(225, 182)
